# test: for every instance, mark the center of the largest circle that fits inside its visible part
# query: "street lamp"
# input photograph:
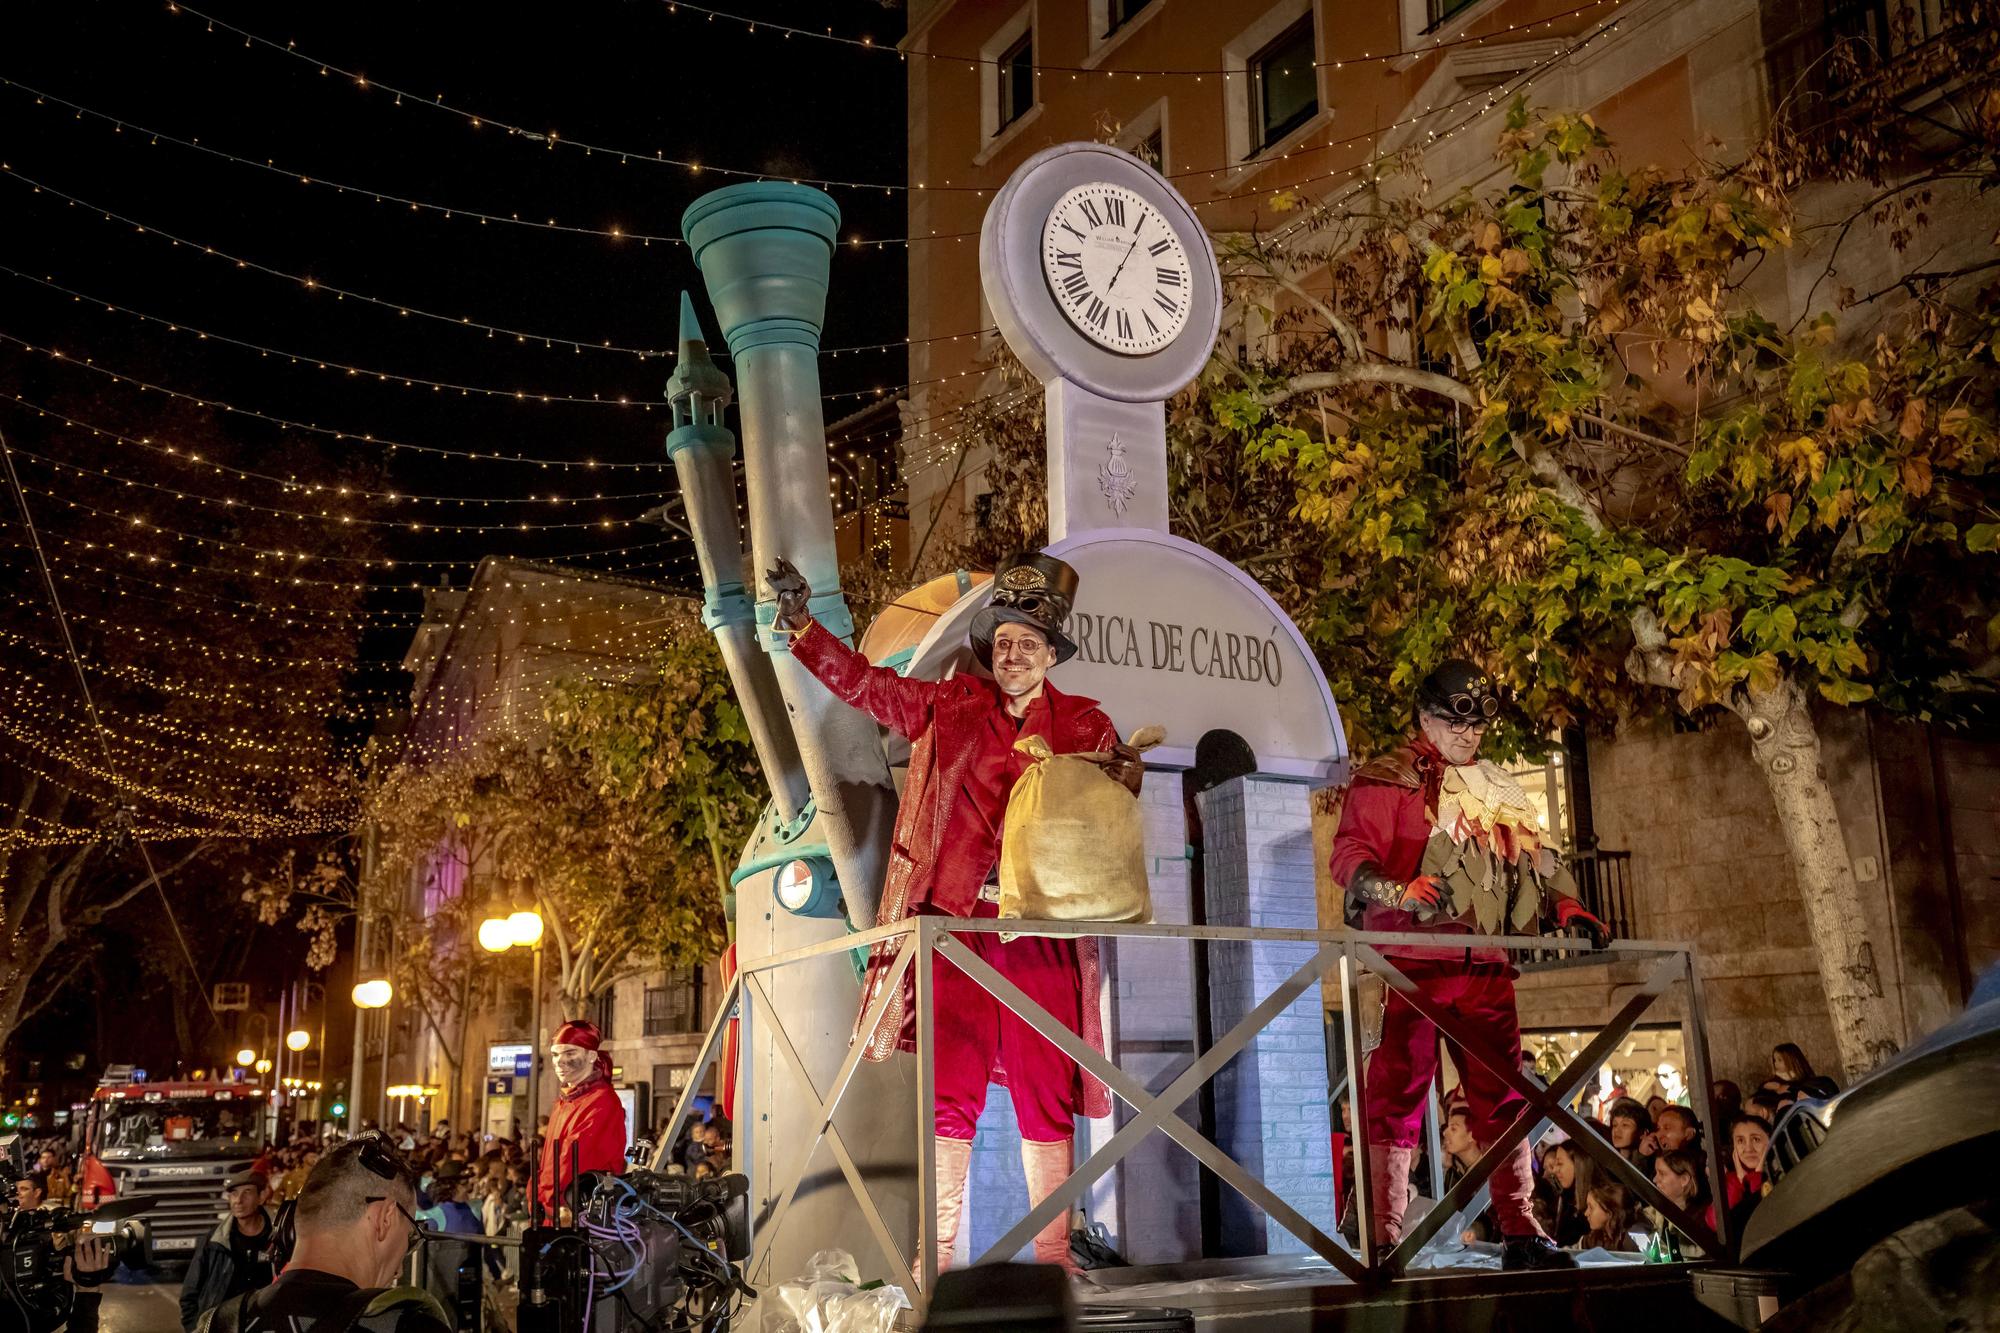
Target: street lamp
(498, 934)
(262, 1066)
(246, 1057)
(298, 1039)
(373, 994)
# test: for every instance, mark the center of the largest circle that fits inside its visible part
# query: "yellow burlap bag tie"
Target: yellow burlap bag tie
(1073, 847)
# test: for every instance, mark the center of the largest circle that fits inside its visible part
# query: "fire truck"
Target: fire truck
(173, 1144)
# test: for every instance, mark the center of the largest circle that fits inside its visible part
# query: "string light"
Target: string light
(141, 523)
(972, 62)
(343, 520)
(522, 336)
(399, 377)
(446, 211)
(358, 437)
(549, 139)
(343, 490)
(322, 363)
(552, 140)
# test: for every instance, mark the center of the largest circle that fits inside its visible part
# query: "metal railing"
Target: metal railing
(1820, 52)
(1339, 957)
(1604, 887)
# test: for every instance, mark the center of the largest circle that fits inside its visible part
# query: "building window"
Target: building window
(1547, 786)
(1152, 151)
(517, 1012)
(675, 1007)
(1440, 10)
(1117, 13)
(1017, 79)
(1284, 85)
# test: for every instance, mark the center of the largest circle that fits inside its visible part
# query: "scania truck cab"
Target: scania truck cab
(173, 1144)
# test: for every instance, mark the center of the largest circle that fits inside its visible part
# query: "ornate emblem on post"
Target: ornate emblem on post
(1114, 476)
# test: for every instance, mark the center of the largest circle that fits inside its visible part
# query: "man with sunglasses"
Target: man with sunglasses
(945, 858)
(1433, 839)
(355, 1227)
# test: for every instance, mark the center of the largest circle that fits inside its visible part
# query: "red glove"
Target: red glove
(1570, 912)
(1422, 894)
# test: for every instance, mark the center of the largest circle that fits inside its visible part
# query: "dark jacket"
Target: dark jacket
(212, 1273)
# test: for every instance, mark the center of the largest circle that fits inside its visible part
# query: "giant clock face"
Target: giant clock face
(1117, 268)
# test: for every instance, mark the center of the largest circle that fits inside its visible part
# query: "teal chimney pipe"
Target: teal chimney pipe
(763, 248)
(702, 450)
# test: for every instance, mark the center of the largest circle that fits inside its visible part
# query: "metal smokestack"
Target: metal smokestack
(702, 449)
(763, 248)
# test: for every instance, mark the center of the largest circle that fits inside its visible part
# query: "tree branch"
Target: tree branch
(1343, 331)
(1373, 372)
(47, 993)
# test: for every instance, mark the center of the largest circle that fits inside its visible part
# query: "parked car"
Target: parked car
(1880, 1211)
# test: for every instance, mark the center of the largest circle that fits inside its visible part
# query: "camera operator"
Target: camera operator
(89, 1264)
(31, 1193)
(237, 1255)
(356, 1227)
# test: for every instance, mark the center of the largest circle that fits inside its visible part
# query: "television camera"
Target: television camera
(35, 1243)
(649, 1251)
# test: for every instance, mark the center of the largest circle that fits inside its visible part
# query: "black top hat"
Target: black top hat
(1459, 691)
(1028, 589)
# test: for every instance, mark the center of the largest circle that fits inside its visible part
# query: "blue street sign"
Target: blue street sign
(524, 1064)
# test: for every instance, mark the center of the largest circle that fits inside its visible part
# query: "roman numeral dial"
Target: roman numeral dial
(1117, 268)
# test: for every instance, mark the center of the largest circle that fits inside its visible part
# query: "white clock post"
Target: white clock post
(1105, 285)
(1103, 282)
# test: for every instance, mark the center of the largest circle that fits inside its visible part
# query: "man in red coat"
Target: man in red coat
(587, 1128)
(945, 860)
(1433, 839)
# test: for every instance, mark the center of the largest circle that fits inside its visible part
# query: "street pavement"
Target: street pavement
(141, 1306)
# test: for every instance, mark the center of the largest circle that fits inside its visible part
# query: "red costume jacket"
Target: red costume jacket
(942, 720)
(1387, 818)
(592, 1118)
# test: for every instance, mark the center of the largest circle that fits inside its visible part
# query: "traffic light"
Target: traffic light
(337, 1110)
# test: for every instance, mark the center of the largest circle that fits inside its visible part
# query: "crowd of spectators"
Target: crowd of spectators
(1579, 1203)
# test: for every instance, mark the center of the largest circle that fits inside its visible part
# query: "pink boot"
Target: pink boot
(954, 1163)
(1389, 1186)
(1048, 1165)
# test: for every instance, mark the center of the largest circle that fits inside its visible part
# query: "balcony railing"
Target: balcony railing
(1340, 958)
(1604, 885)
(1821, 53)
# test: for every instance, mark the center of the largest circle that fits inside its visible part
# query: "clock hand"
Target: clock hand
(1121, 263)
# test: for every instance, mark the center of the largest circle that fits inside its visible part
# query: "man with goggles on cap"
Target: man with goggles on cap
(1433, 839)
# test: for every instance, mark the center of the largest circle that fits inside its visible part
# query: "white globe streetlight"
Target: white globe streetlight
(373, 994)
(526, 928)
(298, 1039)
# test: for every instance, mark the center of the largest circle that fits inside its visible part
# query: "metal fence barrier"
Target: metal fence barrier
(1342, 956)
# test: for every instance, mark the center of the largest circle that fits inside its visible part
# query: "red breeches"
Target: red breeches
(980, 1040)
(1403, 1067)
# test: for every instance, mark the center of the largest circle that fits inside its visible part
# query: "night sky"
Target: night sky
(630, 75)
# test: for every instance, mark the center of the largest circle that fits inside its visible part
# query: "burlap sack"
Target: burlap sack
(1073, 847)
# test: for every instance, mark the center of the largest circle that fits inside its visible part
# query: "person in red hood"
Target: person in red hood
(1433, 839)
(587, 1128)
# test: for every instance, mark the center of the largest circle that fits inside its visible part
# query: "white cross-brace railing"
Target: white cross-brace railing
(1344, 954)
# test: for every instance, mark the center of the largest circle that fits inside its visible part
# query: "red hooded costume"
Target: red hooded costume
(587, 1126)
